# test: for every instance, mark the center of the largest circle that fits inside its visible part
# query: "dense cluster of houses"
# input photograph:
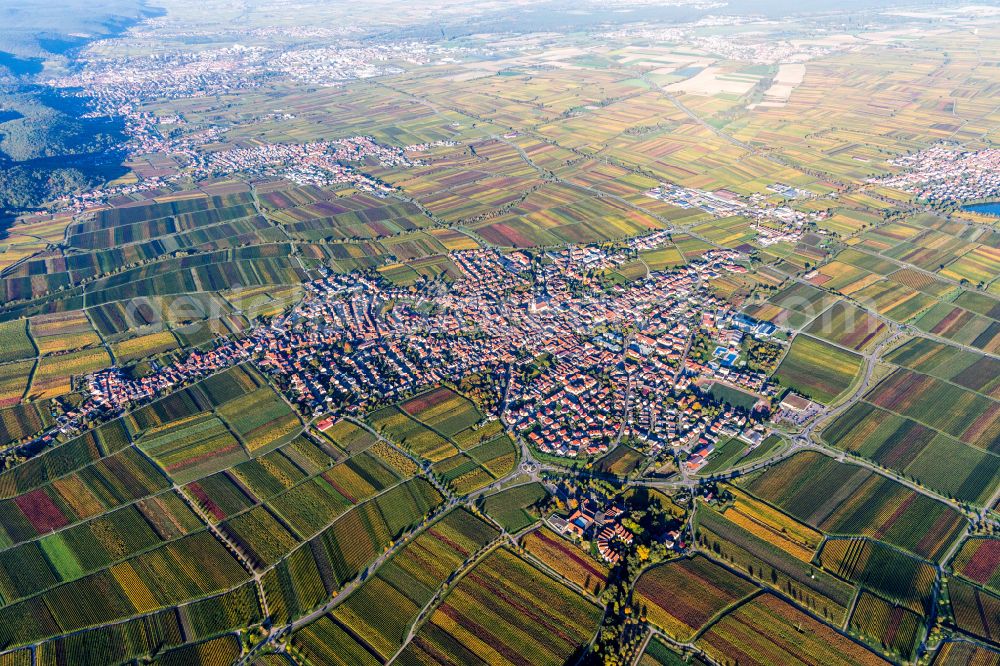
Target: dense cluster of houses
(574, 406)
(942, 174)
(119, 87)
(575, 365)
(334, 65)
(316, 163)
(119, 84)
(585, 396)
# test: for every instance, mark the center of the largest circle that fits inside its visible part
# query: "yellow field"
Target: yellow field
(53, 375)
(64, 331)
(766, 522)
(144, 346)
(453, 240)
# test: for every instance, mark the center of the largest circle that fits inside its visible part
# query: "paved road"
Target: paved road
(451, 502)
(804, 440)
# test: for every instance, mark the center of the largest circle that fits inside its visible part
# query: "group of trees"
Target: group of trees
(624, 628)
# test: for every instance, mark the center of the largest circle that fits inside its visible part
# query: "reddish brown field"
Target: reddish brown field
(41, 511)
(681, 596)
(427, 400)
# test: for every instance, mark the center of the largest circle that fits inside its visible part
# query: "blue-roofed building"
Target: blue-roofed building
(765, 328)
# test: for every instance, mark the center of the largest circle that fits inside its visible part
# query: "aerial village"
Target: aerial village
(576, 366)
(119, 87)
(117, 84)
(943, 173)
(316, 163)
(319, 163)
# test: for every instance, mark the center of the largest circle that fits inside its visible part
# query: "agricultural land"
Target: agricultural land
(500, 333)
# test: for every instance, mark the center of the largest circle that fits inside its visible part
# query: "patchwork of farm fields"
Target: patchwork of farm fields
(916, 451)
(767, 630)
(848, 326)
(517, 507)
(846, 499)
(96, 519)
(486, 347)
(975, 610)
(886, 624)
(979, 562)
(821, 593)
(447, 429)
(967, 369)
(566, 559)
(379, 614)
(497, 612)
(969, 417)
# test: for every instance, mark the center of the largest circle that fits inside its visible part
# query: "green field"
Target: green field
(911, 448)
(817, 369)
(514, 508)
